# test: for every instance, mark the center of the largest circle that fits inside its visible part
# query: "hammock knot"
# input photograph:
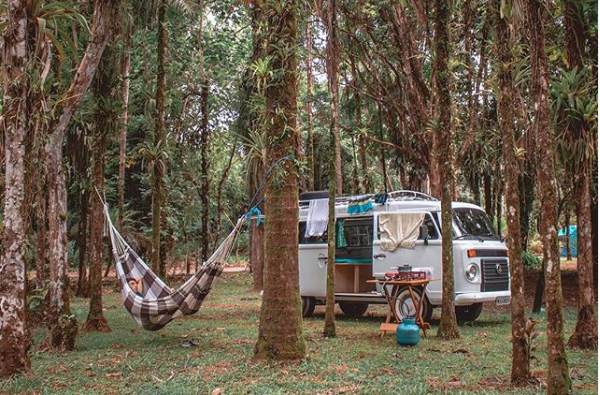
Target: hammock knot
(254, 211)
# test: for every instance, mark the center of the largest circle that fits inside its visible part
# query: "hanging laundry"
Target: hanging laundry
(360, 204)
(318, 215)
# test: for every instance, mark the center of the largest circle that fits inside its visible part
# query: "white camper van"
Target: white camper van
(481, 272)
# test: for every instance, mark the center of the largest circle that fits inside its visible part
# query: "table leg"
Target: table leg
(418, 307)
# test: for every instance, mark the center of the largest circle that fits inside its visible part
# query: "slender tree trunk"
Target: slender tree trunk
(14, 341)
(158, 265)
(62, 324)
(106, 92)
(558, 371)
(568, 234)
(331, 61)
(520, 372)
(585, 335)
(280, 329)
(448, 327)
(125, 69)
(310, 153)
(82, 278)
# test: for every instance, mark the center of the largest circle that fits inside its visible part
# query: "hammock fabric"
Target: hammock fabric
(159, 303)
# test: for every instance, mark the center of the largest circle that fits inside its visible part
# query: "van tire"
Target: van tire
(403, 304)
(308, 306)
(353, 309)
(468, 313)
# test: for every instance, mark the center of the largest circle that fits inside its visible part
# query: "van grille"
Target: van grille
(495, 275)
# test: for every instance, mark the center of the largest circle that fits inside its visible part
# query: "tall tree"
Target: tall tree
(159, 160)
(204, 139)
(106, 123)
(62, 324)
(443, 141)
(310, 146)
(15, 59)
(331, 60)
(280, 329)
(520, 372)
(127, 32)
(581, 139)
(558, 371)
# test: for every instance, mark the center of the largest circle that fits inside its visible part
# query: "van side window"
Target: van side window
(431, 228)
(310, 240)
(354, 240)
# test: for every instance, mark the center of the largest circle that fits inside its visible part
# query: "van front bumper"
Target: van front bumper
(500, 297)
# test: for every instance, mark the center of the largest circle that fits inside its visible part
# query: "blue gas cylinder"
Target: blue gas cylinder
(407, 333)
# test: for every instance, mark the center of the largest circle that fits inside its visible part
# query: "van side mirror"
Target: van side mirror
(424, 234)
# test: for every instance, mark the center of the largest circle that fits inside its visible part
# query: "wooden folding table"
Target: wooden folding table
(392, 294)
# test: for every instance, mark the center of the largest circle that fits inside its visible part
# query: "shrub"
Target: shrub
(531, 262)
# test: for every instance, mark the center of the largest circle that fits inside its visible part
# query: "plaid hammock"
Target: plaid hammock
(159, 303)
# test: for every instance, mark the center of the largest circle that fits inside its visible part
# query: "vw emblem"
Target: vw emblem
(499, 268)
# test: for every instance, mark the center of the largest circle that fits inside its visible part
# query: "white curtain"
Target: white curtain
(399, 230)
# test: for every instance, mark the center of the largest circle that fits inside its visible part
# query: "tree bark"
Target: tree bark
(520, 372)
(14, 342)
(331, 61)
(106, 92)
(125, 81)
(280, 329)
(448, 326)
(585, 334)
(558, 381)
(257, 253)
(158, 168)
(310, 149)
(62, 324)
(82, 277)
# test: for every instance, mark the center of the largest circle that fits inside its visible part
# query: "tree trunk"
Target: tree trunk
(585, 335)
(448, 326)
(280, 329)
(310, 149)
(568, 234)
(125, 69)
(331, 61)
(257, 253)
(158, 265)
(62, 325)
(82, 278)
(14, 341)
(520, 372)
(220, 193)
(106, 92)
(558, 371)
(41, 262)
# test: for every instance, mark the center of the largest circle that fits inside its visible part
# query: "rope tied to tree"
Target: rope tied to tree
(254, 210)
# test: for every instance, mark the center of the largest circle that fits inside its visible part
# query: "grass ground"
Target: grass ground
(132, 361)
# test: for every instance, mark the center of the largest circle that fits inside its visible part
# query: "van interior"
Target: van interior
(354, 255)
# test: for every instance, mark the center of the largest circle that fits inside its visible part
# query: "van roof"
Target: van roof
(404, 201)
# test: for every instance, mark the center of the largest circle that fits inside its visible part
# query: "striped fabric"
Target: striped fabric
(161, 304)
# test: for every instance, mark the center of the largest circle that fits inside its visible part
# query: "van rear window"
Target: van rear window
(310, 240)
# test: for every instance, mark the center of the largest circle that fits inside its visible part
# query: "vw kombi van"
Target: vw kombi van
(481, 271)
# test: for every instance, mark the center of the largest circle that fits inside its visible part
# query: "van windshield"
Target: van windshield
(473, 224)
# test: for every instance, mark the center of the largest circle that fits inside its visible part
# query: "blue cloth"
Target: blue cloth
(254, 211)
(360, 205)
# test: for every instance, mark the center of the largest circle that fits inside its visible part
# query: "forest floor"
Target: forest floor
(130, 360)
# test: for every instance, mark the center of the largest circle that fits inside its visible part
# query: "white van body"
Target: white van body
(486, 264)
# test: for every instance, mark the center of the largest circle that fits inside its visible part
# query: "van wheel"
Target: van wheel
(308, 306)
(353, 309)
(405, 308)
(468, 313)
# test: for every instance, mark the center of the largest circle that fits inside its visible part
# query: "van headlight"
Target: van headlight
(472, 272)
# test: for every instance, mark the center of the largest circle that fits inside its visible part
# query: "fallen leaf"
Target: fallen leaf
(482, 334)
(113, 375)
(217, 391)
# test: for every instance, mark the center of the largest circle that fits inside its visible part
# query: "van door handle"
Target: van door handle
(379, 256)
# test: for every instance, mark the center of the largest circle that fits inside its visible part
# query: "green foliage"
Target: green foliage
(531, 261)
